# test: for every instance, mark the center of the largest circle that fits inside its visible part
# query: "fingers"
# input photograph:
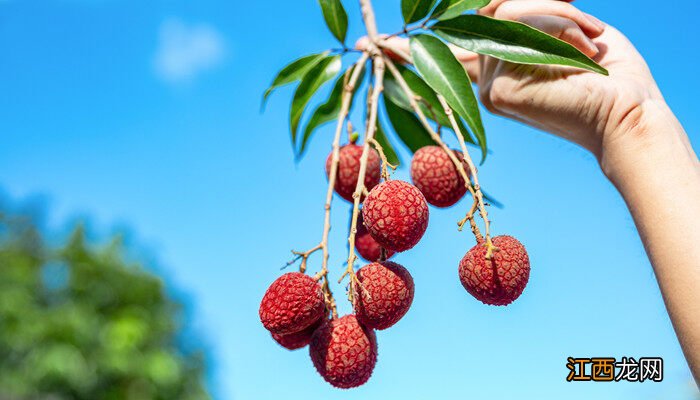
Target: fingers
(564, 29)
(362, 43)
(490, 9)
(515, 10)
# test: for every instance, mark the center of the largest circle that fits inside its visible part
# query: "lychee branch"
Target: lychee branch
(470, 217)
(385, 163)
(348, 91)
(473, 189)
(476, 191)
(369, 20)
(408, 29)
(379, 66)
(304, 256)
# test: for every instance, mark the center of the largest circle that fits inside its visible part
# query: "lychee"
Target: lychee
(396, 215)
(385, 295)
(344, 352)
(500, 280)
(294, 341)
(291, 304)
(366, 246)
(349, 170)
(436, 176)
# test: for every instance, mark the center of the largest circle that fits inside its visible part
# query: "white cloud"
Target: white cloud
(184, 51)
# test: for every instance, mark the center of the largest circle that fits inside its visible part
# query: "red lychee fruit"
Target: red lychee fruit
(366, 246)
(436, 176)
(498, 281)
(291, 304)
(344, 352)
(349, 169)
(396, 215)
(294, 341)
(385, 296)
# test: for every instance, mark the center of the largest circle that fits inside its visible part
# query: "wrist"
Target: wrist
(647, 140)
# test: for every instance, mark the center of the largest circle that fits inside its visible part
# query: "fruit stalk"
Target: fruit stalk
(470, 217)
(344, 109)
(476, 192)
(378, 72)
(385, 163)
(433, 134)
(379, 66)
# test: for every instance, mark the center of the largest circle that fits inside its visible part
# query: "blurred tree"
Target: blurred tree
(79, 322)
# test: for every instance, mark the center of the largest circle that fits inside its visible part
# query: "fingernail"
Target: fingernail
(600, 24)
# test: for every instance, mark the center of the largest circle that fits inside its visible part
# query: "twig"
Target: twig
(369, 20)
(360, 188)
(424, 121)
(474, 190)
(335, 157)
(304, 256)
(407, 29)
(479, 197)
(385, 163)
(472, 224)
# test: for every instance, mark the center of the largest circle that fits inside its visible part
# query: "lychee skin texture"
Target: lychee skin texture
(498, 281)
(349, 170)
(436, 176)
(344, 352)
(294, 341)
(291, 304)
(366, 246)
(396, 215)
(386, 294)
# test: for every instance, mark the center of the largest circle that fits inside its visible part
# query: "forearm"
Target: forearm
(658, 174)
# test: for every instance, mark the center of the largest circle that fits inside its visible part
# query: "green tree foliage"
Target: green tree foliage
(79, 322)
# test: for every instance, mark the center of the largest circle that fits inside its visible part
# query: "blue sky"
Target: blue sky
(146, 115)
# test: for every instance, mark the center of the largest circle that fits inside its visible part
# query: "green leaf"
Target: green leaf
(329, 110)
(512, 41)
(441, 70)
(447, 9)
(383, 141)
(407, 126)
(430, 105)
(312, 81)
(294, 71)
(415, 10)
(336, 18)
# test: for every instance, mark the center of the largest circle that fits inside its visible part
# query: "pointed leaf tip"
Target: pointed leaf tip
(512, 41)
(293, 72)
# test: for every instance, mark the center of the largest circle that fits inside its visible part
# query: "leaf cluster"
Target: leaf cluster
(435, 70)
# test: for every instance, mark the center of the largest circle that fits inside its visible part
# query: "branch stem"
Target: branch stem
(332, 174)
(369, 19)
(385, 163)
(379, 66)
(479, 197)
(474, 189)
